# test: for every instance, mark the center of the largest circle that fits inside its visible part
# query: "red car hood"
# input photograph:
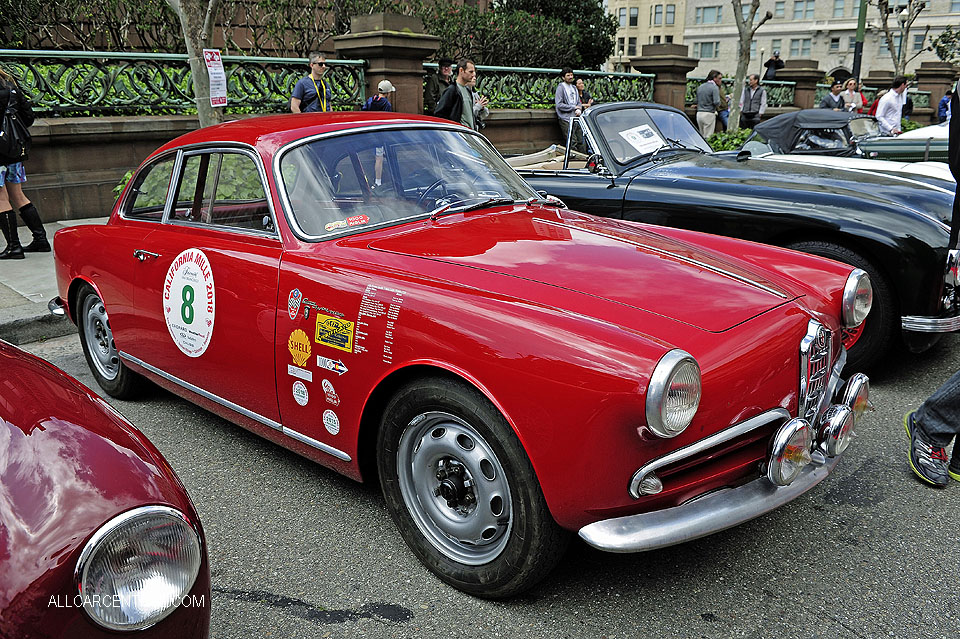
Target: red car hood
(602, 258)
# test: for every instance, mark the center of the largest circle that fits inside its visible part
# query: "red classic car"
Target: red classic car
(383, 294)
(97, 534)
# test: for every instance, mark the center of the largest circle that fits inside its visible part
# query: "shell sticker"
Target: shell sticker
(335, 332)
(293, 303)
(331, 394)
(331, 422)
(301, 395)
(299, 346)
(189, 302)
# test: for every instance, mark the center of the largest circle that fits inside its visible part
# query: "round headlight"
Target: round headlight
(857, 298)
(137, 568)
(673, 395)
(790, 451)
(836, 429)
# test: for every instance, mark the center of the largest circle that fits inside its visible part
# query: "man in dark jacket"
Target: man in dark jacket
(773, 65)
(456, 103)
(436, 84)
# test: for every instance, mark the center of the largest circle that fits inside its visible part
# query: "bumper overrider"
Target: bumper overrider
(949, 320)
(802, 453)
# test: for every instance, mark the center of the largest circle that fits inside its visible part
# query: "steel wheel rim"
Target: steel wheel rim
(99, 338)
(441, 456)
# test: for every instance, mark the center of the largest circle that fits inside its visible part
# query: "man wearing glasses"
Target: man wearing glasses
(312, 94)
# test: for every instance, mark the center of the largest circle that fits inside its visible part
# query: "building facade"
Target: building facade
(643, 22)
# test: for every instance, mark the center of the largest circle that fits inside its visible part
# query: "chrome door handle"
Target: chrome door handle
(141, 255)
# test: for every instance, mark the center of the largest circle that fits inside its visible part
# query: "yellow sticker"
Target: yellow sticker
(299, 346)
(335, 332)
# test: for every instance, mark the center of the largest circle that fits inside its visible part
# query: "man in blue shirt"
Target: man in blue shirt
(312, 94)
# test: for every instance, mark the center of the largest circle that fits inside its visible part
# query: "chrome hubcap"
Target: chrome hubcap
(99, 338)
(454, 488)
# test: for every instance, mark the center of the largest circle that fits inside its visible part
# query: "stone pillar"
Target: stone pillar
(937, 78)
(671, 64)
(806, 73)
(395, 48)
(879, 80)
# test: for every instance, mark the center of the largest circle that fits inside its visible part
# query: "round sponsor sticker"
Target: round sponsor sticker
(331, 421)
(189, 302)
(301, 395)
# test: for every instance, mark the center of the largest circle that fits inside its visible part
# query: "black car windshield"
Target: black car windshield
(346, 182)
(634, 132)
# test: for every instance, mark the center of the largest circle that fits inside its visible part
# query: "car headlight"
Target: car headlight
(673, 394)
(857, 298)
(137, 568)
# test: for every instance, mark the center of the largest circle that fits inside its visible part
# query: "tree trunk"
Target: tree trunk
(196, 22)
(746, 30)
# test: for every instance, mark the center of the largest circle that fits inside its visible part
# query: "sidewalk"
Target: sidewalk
(25, 288)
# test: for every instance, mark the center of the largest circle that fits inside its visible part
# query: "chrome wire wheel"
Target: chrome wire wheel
(454, 488)
(99, 338)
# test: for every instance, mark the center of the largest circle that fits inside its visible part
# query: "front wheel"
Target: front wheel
(462, 492)
(96, 338)
(867, 343)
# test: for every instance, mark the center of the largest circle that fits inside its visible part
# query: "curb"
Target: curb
(33, 326)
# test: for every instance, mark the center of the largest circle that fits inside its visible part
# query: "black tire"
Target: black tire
(96, 338)
(881, 328)
(454, 434)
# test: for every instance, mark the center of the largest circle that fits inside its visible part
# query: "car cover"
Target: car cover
(808, 131)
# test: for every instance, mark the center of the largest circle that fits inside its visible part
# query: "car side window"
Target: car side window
(148, 193)
(222, 189)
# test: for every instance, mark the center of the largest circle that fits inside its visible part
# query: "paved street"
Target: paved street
(298, 551)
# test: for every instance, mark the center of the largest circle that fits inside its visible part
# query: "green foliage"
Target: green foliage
(729, 140)
(118, 189)
(594, 28)
(947, 45)
(909, 125)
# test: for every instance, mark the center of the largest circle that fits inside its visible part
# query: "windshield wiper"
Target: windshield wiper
(453, 206)
(680, 145)
(542, 201)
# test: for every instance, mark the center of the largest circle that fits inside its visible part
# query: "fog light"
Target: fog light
(856, 395)
(650, 484)
(836, 429)
(790, 451)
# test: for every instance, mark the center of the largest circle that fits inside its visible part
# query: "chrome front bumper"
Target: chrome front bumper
(920, 324)
(57, 307)
(704, 515)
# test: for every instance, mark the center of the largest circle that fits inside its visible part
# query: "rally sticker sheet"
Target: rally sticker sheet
(642, 138)
(379, 311)
(189, 302)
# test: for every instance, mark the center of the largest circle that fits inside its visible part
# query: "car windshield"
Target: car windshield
(633, 132)
(374, 177)
(864, 128)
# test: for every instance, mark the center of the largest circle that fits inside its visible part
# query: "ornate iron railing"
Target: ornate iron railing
(921, 99)
(524, 88)
(106, 83)
(778, 93)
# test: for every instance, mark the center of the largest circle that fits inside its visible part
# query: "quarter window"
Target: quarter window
(222, 189)
(148, 193)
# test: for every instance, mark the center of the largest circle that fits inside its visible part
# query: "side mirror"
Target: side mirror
(743, 155)
(595, 163)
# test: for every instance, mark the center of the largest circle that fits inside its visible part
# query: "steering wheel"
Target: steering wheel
(423, 196)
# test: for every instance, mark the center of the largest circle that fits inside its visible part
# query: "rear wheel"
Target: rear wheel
(96, 337)
(867, 343)
(462, 492)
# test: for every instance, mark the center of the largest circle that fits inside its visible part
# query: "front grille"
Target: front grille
(815, 370)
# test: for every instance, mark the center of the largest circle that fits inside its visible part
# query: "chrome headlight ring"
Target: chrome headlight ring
(857, 298)
(673, 393)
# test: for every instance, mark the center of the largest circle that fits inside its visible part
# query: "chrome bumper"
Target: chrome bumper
(920, 324)
(57, 307)
(702, 516)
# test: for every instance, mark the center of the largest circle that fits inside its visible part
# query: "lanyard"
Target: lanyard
(320, 98)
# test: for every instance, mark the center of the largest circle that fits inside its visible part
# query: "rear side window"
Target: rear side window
(222, 189)
(148, 193)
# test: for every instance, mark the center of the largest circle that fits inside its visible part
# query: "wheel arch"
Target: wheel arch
(73, 293)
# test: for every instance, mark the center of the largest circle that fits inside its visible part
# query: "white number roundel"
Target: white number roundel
(189, 302)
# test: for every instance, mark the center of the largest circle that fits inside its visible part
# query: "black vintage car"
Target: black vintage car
(647, 163)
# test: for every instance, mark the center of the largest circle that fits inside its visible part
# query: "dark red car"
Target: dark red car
(383, 294)
(97, 534)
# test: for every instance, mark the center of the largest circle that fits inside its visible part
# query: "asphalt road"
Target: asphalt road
(298, 551)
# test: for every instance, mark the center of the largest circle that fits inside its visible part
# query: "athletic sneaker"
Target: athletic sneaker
(927, 461)
(954, 469)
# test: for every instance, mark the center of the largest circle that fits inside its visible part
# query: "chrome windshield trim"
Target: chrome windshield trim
(289, 432)
(920, 324)
(706, 443)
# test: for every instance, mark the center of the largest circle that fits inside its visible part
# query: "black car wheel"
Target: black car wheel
(462, 491)
(96, 338)
(867, 344)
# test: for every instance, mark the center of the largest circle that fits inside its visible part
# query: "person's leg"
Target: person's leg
(29, 213)
(564, 130)
(931, 427)
(13, 251)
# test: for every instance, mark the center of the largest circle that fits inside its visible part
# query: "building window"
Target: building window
(776, 44)
(837, 8)
(634, 15)
(855, 9)
(800, 48)
(896, 43)
(709, 15)
(853, 42)
(834, 44)
(745, 10)
(753, 48)
(803, 9)
(620, 43)
(778, 8)
(668, 39)
(658, 14)
(623, 19)
(918, 41)
(632, 46)
(671, 13)
(655, 39)
(706, 49)
(954, 6)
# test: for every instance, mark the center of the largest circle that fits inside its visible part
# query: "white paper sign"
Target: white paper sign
(218, 78)
(642, 138)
